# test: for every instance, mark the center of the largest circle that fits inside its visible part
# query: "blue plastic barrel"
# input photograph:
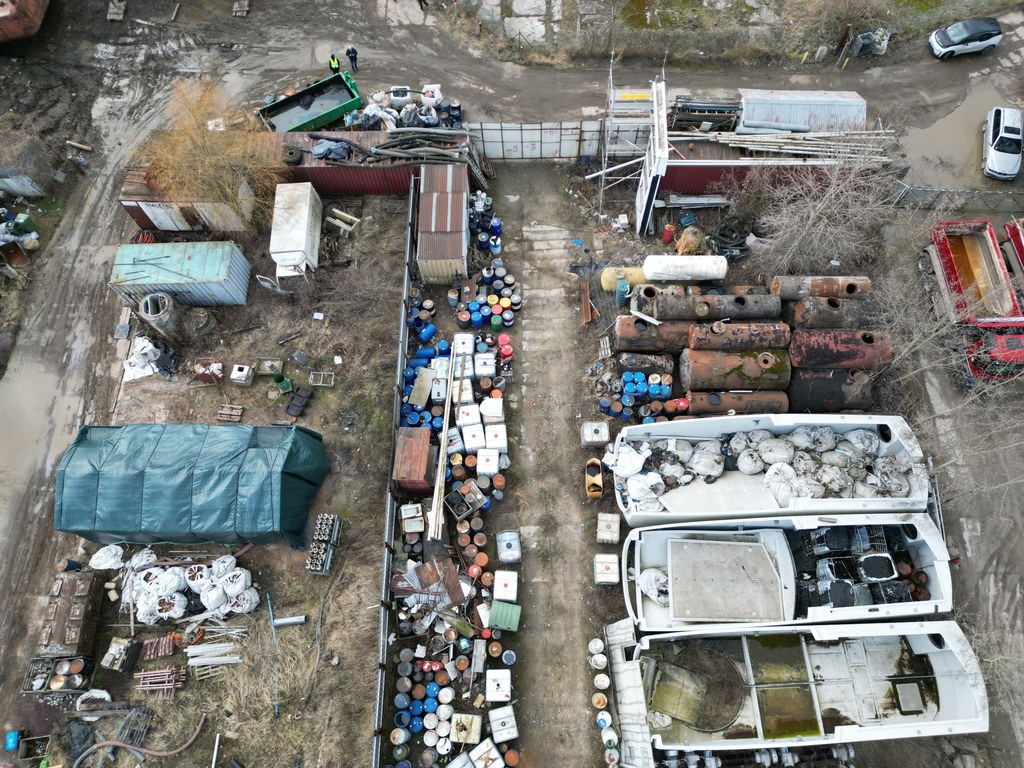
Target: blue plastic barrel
(427, 333)
(647, 420)
(641, 389)
(485, 314)
(496, 227)
(413, 419)
(437, 423)
(639, 376)
(629, 388)
(627, 414)
(430, 705)
(402, 700)
(604, 405)
(416, 725)
(475, 320)
(508, 318)
(444, 348)
(486, 505)
(628, 401)
(416, 707)
(474, 306)
(495, 246)
(402, 718)
(481, 346)
(409, 374)
(407, 389)
(483, 242)
(418, 362)
(487, 275)
(426, 353)
(497, 286)
(627, 377)
(406, 409)
(433, 689)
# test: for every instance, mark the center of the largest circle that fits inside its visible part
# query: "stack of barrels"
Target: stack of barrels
(800, 346)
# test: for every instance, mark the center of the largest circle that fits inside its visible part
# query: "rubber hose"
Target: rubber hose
(143, 750)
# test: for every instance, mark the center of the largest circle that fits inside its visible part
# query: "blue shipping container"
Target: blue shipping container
(195, 274)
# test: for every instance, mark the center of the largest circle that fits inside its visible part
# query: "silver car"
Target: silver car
(967, 36)
(1001, 148)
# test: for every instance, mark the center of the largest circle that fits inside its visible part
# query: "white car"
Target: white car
(967, 36)
(1001, 148)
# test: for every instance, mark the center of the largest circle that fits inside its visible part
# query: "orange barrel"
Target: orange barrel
(476, 524)
(498, 481)
(740, 402)
(740, 369)
(470, 551)
(464, 540)
(419, 691)
(470, 463)
(462, 526)
(481, 559)
(494, 649)
(633, 334)
(793, 288)
(486, 385)
(487, 578)
(462, 663)
(480, 540)
(458, 472)
(719, 335)
(511, 757)
(840, 348)
(829, 312)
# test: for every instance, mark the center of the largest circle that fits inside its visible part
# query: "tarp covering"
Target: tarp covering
(189, 483)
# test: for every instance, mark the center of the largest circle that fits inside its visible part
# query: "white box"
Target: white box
(606, 569)
(474, 440)
(499, 685)
(608, 527)
(467, 415)
(492, 410)
(485, 364)
(242, 375)
(439, 390)
(503, 724)
(463, 394)
(463, 344)
(463, 366)
(487, 462)
(506, 586)
(455, 444)
(497, 437)
(594, 434)
(412, 518)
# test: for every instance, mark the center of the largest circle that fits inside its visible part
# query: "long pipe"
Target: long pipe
(143, 750)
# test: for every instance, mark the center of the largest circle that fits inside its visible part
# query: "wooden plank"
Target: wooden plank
(586, 315)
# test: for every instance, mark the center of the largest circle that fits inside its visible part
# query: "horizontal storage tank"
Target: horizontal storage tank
(194, 274)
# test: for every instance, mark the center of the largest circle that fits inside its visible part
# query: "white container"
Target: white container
(673, 268)
(506, 586)
(439, 390)
(440, 366)
(606, 569)
(487, 462)
(462, 344)
(594, 434)
(474, 439)
(463, 366)
(295, 231)
(400, 96)
(496, 436)
(468, 415)
(463, 394)
(503, 724)
(242, 375)
(455, 444)
(485, 364)
(430, 101)
(499, 685)
(492, 410)
(412, 518)
(608, 528)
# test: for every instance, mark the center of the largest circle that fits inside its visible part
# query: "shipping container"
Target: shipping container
(150, 209)
(442, 238)
(802, 110)
(195, 274)
(415, 460)
(295, 232)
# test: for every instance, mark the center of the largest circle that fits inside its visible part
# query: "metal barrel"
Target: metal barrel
(633, 361)
(672, 303)
(635, 335)
(738, 402)
(755, 369)
(725, 336)
(792, 288)
(814, 391)
(828, 312)
(838, 348)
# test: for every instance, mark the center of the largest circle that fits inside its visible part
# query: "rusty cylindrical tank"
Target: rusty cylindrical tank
(738, 402)
(813, 391)
(756, 369)
(791, 288)
(631, 361)
(839, 348)
(635, 335)
(828, 312)
(672, 303)
(721, 335)
(726, 290)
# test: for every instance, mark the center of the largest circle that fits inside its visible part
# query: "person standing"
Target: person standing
(334, 64)
(352, 53)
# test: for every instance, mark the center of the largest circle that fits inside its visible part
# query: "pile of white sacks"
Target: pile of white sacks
(159, 593)
(809, 462)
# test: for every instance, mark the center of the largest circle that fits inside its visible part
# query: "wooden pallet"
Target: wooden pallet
(240, 8)
(228, 412)
(161, 681)
(115, 10)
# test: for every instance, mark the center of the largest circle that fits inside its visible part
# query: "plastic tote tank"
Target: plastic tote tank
(194, 274)
(295, 232)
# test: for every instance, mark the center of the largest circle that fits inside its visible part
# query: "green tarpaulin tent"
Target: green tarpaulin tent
(189, 483)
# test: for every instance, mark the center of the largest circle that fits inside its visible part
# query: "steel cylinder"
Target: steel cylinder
(672, 303)
(839, 348)
(726, 290)
(635, 335)
(828, 312)
(610, 277)
(632, 361)
(755, 369)
(738, 402)
(792, 288)
(161, 311)
(814, 391)
(721, 335)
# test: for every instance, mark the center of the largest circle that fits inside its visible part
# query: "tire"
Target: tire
(987, 50)
(946, 56)
(292, 156)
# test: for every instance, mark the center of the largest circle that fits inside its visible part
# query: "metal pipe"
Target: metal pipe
(216, 751)
(143, 750)
(672, 303)
(290, 621)
(595, 174)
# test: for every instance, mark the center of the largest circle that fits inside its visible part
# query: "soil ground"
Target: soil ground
(87, 79)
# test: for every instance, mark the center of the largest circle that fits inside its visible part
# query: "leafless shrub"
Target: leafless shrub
(831, 16)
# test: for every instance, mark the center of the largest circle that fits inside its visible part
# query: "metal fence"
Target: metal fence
(566, 140)
(928, 198)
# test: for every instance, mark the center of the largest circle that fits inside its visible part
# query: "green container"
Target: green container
(322, 103)
(23, 224)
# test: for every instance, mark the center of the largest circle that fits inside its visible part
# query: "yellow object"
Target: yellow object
(689, 240)
(610, 276)
(492, 300)
(594, 479)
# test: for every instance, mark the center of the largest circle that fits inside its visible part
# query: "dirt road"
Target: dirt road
(60, 373)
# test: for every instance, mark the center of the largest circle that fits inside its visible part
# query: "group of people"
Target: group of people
(335, 64)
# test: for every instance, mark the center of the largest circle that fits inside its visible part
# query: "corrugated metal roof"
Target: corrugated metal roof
(443, 212)
(819, 110)
(441, 246)
(452, 177)
(697, 179)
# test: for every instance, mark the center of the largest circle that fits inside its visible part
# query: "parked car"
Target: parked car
(967, 36)
(510, 548)
(1001, 148)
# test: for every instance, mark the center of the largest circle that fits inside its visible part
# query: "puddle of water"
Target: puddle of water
(947, 153)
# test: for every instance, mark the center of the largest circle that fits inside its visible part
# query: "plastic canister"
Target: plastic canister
(428, 332)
